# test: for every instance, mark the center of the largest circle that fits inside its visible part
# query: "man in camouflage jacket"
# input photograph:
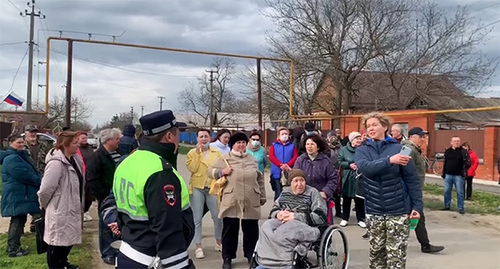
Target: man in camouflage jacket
(37, 151)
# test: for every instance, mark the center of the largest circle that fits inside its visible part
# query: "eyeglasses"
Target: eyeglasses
(255, 139)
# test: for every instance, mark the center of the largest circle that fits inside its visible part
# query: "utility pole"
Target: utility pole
(211, 108)
(142, 111)
(131, 114)
(76, 108)
(31, 44)
(259, 94)
(161, 102)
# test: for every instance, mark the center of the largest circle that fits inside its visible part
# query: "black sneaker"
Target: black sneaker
(19, 253)
(366, 236)
(71, 266)
(109, 260)
(445, 209)
(431, 249)
(461, 211)
(226, 264)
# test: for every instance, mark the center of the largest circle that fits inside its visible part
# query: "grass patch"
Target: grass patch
(79, 254)
(482, 202)
(185, 148)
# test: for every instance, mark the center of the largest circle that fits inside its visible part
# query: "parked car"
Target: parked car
(45, 137)
(93, 141)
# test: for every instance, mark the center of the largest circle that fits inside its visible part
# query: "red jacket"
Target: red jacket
(474, 163)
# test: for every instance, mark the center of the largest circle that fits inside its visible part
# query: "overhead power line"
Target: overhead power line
(12, 43)
(17, 71)
(122, 68)
(20, 11)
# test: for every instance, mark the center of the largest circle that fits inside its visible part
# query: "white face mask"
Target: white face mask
(205, 146)
(284, 138)
(255, 143)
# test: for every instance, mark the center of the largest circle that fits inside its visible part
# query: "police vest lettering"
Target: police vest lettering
(131, 177)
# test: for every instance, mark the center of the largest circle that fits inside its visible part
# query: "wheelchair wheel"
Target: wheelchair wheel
(333, 249)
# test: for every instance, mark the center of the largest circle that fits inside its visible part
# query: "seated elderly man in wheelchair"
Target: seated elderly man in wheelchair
(293, 224)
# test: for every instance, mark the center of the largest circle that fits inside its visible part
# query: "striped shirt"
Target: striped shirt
(115, 155)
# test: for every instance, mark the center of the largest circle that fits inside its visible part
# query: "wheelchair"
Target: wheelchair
(332, 251)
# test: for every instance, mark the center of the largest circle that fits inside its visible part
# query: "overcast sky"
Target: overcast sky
(114, 78)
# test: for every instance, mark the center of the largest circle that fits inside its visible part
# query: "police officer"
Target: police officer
(152, 199)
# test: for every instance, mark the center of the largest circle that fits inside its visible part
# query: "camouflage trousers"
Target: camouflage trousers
(388, 241)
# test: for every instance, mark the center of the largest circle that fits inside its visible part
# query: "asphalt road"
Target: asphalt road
(470, 240)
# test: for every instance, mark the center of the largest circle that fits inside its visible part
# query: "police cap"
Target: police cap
(159, 121)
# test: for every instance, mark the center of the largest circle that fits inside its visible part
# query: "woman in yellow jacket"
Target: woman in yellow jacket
(198, 161)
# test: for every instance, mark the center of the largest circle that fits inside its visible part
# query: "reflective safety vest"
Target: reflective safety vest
(131, 177)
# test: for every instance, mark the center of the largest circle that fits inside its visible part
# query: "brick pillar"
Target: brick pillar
(491, 141)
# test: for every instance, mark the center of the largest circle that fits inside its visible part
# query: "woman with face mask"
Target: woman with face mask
(282, 154)
(197, 162)
(243, 195)
(256, 149)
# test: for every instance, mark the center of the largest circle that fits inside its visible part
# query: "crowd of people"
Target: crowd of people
(143, 201)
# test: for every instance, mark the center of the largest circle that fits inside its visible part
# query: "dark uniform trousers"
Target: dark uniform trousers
(421, 231)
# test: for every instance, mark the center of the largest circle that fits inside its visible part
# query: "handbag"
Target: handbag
(284, 179)
(41, 246)
(217, 186)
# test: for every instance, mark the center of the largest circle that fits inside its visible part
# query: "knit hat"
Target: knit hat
(295, 173)
(237, 137)
(353, 135)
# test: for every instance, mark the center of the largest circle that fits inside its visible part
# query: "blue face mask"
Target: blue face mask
(309, 133)
(205, 146)
(255, 143)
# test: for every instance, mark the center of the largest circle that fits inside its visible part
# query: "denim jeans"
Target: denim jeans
(198, 200)
(16, 228)
(458, 181)
(276, 187)
(106, 237)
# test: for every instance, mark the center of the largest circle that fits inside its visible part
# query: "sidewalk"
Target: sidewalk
(478, 184)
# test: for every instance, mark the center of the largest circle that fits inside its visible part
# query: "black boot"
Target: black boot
(226, 264)
(431, 249)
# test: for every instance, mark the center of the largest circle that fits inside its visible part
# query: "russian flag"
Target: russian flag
(14, 99)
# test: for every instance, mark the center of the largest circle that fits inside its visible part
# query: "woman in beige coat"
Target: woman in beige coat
(242, 198)
(61, 195)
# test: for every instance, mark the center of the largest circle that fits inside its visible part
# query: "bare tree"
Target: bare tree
(276, 89)
(339, 39)
(81, 110)
(335, 37)
(196, 97)
(435, 40)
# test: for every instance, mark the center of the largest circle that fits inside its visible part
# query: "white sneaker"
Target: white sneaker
(87, 217)
(343, 223)
(199, 253)
(362, 224)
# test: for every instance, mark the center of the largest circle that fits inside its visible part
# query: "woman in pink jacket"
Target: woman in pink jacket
(61, 196)
(474, 163)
